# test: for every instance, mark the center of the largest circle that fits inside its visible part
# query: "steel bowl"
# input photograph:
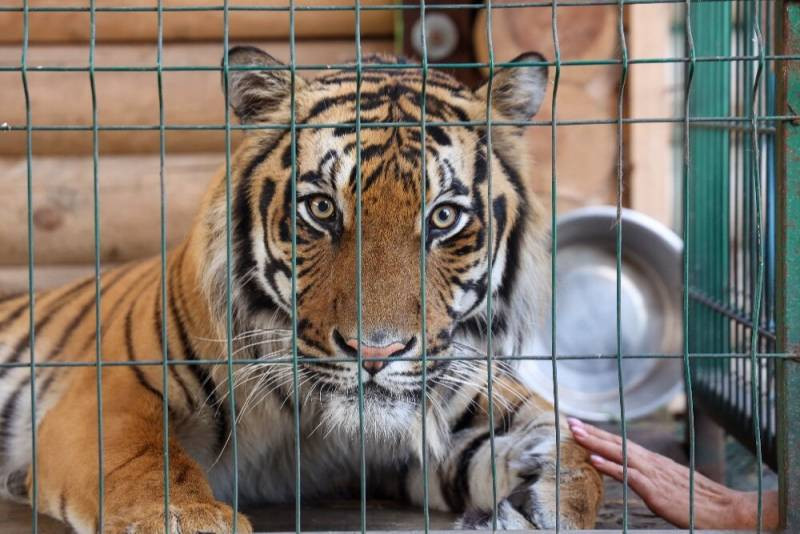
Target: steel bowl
(586, 312)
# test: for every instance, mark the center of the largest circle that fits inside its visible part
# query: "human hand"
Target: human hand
(664, 484)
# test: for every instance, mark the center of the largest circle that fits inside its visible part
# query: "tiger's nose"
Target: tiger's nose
(369, 353)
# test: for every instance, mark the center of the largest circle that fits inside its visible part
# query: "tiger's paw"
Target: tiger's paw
(521, 459)
(508, 518)
(196, 518)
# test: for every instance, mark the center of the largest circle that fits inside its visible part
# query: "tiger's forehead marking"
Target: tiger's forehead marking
(389, 174)
(390, 156)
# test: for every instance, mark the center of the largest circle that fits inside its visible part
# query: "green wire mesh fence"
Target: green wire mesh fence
(741, 200)
(732, 281)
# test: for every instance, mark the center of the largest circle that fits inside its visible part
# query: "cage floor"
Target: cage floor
(388, 516)
(344, 516)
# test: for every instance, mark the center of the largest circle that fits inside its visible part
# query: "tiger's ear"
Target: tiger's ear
(254, 94)
(517, 92)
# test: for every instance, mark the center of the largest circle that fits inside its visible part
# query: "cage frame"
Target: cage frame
(788, 271)
(788, 211)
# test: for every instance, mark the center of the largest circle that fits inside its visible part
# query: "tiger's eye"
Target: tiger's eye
(444, 216)
(321, 207)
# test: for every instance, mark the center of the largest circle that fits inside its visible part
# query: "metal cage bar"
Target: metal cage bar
(618, 253)
(553, 245)
(298, 503)
(97, 283)
(788, 272)
(31, 270)
(687, 253)
(165, 369)
(490, 263)
(229, 268)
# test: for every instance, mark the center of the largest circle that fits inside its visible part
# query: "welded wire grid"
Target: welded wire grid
(729, 212)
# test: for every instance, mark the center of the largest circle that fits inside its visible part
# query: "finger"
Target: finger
(637, 454)
(606, 466)
(636, 480)
(608, 449)
(602, 434)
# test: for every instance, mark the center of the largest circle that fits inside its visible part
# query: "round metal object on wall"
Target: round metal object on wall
(441, 36)
(651, 295)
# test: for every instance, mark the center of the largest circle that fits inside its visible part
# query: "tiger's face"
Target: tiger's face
(425, 212)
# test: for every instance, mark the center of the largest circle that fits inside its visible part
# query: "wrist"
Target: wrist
(745, 505)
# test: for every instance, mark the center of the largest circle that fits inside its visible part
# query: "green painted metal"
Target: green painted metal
(490, 262)
(454, 356)
(229, 268)
(553, 244)
(712, 122)
(298, 490)
(164, 296)
(619, 251)
(96, 216)
(788, 273)
(395, 66)
(359, 288)
(729, 190)
(686, 198)
(31, 275)
(423, 237)
(742, 257)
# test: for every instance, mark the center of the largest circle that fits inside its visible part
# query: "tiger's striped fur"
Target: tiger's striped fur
(459, 169)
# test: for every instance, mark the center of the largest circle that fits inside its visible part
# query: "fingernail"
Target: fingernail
(579, 432)
(574, 422)
(596, 459)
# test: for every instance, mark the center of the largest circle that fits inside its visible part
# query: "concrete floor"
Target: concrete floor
(344, 516)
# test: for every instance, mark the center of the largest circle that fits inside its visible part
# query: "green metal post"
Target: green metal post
(788, 269)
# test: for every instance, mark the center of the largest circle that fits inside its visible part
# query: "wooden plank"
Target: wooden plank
(63, 198)
(586, 161)
(65, 27)
(587, 154)
(585, 33)
(651, 92)
(131, 98)
(129, 199)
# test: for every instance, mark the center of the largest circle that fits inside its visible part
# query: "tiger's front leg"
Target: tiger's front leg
(525, 470)
(524, 467)
(133, 464)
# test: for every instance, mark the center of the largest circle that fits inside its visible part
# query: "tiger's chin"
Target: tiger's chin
(389, 416)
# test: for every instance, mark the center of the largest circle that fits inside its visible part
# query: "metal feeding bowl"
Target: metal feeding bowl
(586, 313)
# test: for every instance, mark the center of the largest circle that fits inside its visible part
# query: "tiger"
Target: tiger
(218, 337)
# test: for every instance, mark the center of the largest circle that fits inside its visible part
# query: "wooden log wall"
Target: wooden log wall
(180, 24)
(586, 154)
(129, 162)
(131, 98)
